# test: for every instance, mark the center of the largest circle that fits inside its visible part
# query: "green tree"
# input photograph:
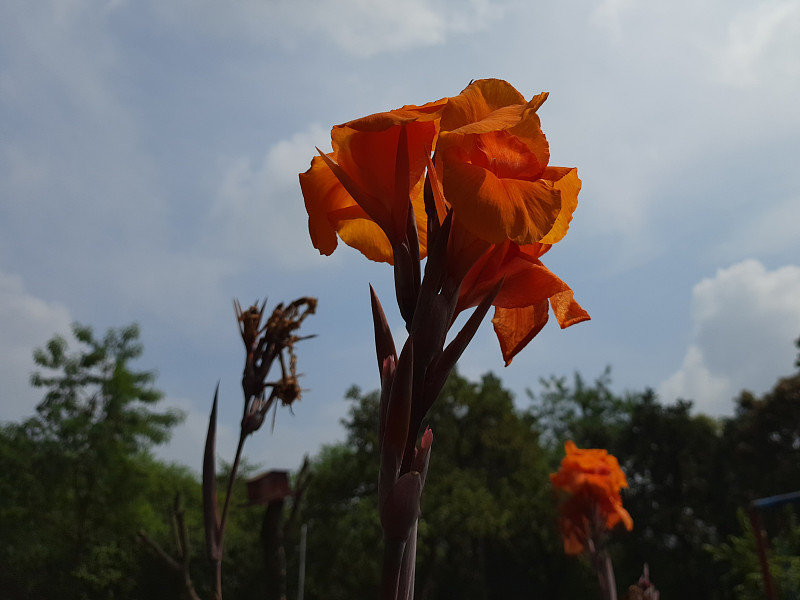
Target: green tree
(675, 470)
(591, 415)
(763, 442)
(74, 477)
(742, 570)
(674, 466)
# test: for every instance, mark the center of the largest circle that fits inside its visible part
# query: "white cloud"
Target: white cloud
(711, 393)
(745, 321)
(27, 323)
(361, 28)
(259, 206)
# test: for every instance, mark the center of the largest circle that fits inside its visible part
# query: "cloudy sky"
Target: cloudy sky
(149, 154)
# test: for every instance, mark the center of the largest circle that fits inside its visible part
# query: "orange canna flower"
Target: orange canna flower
(593, 479)
(491, 171)
(494, 168)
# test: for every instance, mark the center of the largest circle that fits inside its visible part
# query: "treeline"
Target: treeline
(80, 491)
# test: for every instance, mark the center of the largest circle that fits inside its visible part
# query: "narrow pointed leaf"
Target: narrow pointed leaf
(430, 211)
(439, 203)
(387, 378)
(438, 372)
(413, 246)
(398, 414)
(406, 281)
(210, 509)
(434, 267)
(384, 343)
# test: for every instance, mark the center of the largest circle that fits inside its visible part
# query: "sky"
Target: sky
(149, 154)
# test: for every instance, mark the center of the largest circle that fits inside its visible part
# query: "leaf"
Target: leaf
(210, 509)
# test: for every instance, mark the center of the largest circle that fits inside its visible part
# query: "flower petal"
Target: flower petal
(366, 237)
(567, 310)
(497, 209)
(565, 180)
(516, 327)
(323, 194)
(478, 100)
(371, 159)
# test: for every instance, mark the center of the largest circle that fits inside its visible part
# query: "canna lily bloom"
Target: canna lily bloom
(361, 190)
(493, 164)
(593, 479)
(491, 173)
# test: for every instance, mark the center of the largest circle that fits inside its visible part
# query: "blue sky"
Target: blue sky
(149, 154)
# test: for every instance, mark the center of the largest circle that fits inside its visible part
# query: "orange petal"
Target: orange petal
(498, 209)
(567, 310)
(478, 100)
(518, 119)
(371, 159)
(566, 181)
(323, 194)
(331, 209)
(366, 237)
(529, 130)
(406, 114)
(515, 327)
(498, 120)
(528, 283)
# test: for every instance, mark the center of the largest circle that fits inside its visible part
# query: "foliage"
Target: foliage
(76, 478)
(77, 482)
(672, 460)
(763, 441)
(742, 570)
(590, 415)
(488, 522)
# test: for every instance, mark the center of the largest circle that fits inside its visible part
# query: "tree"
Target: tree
(74, 476)
(763, 442)
(589, 415)
(675, 469)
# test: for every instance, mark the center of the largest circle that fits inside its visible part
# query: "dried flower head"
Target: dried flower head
(275, 339)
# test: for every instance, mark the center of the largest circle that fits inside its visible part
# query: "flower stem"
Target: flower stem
(393, 551)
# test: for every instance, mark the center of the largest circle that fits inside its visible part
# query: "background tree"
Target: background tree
(672, 460)
(591, 415)
(675, 471)
(763, 442)
(76, 474)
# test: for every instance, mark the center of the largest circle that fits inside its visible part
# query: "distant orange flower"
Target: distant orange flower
(593, 480)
